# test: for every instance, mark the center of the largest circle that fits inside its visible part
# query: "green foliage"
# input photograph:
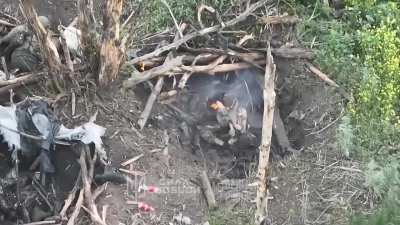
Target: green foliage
(157, 16)
(362, 53)
(388, 214)
(385, 180)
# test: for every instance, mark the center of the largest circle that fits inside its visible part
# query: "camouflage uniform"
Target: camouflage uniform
(21, 48)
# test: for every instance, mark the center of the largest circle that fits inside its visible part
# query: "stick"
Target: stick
(202, 32)
(150, 102)
(155, 72)
(179, 30)
(132, 160)
(215, 13)
(216, 62)
(77, 208)
(207, 189)
(280, 133)
(3, 63)
(269, 105)
(10, 17)
(203, 58)
(73, 103)
(67, 55)
(5, 23)
(222, 68)
(99, 190)
(132, 172)
(71, 196)
(42, 222)
(87, 176)
(104, 212)
(22, 79)
(321, 75)
(160, 82)
(285, 19)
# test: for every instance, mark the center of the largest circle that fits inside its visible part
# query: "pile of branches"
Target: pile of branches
(182, 57)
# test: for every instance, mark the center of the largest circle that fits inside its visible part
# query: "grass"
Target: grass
(158, 18)
(361, 51)
(237, 217)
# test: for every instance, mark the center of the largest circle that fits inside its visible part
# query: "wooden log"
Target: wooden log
(269, 106)
(112, 48)
(207, 190)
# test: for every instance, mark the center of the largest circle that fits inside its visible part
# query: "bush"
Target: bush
(362, 52)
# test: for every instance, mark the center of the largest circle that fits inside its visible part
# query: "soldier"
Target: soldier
(20, 48)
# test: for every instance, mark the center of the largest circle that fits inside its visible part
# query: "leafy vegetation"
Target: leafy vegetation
(362, 52)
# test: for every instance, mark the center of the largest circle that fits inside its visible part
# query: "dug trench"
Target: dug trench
(172, 159)
(220, 117)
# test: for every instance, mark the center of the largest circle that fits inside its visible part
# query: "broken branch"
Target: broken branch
(284, 19)
(269, 106)
(207, 189)
(202, 32)
(321, 75)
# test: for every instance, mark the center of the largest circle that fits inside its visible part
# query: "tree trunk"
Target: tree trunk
(112, 47)
(89, 41)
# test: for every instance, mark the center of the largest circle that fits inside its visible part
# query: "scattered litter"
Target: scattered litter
(145, 207)
(149, 189)
(132, 160)
(31, 127)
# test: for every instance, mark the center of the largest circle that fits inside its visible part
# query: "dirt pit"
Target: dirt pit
(312, 185)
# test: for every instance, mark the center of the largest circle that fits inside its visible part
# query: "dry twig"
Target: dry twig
(269, 106)
(5, 69)
(207, 189)
(5, 23)
(132, 160)
(202, 32)
(321, 75)
(283, 19)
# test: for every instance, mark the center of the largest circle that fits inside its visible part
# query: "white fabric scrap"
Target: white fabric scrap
(87, 133)
(8, 119)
